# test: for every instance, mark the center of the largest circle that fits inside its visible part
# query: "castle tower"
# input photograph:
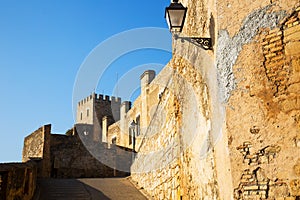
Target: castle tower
(92, 109)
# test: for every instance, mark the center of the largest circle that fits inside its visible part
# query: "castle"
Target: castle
(107, 119)
(222, 123)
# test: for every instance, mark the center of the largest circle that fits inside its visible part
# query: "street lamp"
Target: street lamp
(175, 15)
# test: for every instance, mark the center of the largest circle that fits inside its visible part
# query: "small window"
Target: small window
(81, 116)
(87, 112)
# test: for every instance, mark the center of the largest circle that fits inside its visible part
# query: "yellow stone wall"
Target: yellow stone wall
(262, 124)
(224, 123)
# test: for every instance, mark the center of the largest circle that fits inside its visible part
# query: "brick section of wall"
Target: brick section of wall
(273, 51)
(17, 180)
(281, 50)
(264, 155)
(255, 185)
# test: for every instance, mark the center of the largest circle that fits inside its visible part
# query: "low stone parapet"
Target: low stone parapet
(18, 180)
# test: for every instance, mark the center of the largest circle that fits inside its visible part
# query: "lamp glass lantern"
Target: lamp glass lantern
(175, 16)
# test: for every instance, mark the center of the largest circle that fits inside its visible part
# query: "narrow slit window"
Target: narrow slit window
(138, 125)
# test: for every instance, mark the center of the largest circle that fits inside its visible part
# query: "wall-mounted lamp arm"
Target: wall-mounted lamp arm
(204, 43)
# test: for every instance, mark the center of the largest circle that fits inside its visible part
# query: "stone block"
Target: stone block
(294, 88)
(247, 176)
(292, 37)
(276, 49)
(296, 65)
(251, 187)
(295, 187)
(297, 143)
(263, 159)
(262, 193)
(263, 187)
(275, 30)
(270, 55)
(278, 191)
(291, 49)
(272, 45)
(290, 104)
(292, 30)
(271, 34)
(275, 39)
(290, 198)
(279, 33)
(265, 43)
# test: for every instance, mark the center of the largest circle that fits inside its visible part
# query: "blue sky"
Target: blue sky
(42, 46)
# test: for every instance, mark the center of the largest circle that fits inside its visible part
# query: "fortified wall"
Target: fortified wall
(37, 147)
(222, 123)
(213, 124)
(18, 180)
(74, 156)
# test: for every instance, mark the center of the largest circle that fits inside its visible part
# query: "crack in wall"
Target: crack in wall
(228, 49)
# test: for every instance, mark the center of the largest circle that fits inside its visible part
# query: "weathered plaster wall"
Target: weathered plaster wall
(228, 48)
(262, 110)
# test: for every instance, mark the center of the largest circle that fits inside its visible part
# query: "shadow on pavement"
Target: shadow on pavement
(67, 189)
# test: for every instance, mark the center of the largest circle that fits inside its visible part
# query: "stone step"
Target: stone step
(88, 189)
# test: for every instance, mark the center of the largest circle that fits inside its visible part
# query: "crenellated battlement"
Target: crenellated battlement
(99, 97)
(85, 100)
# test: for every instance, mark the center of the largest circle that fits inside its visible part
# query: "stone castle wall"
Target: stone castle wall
(228, 125)
(18, 180)
(71, 159)
(37, 147)
(216, 124)
(74, 156)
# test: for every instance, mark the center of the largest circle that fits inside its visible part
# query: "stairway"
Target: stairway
(87, 189)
